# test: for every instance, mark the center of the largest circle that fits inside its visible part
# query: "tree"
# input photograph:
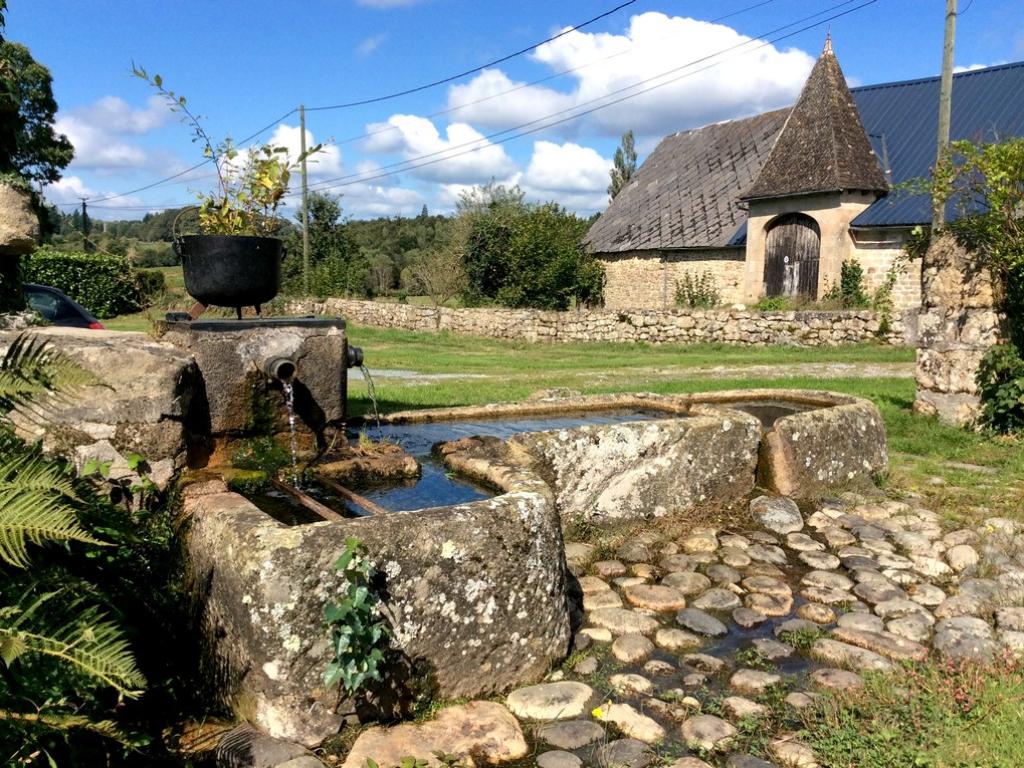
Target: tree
(337, 268)
(29, 147)
(624, 165)
(439, 273)
(523, 255)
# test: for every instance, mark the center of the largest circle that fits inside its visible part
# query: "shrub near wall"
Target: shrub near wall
(105, 285)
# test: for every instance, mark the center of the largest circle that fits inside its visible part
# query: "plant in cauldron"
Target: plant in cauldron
(236, 260)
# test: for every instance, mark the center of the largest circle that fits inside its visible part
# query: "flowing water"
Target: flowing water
(289, 401)
(371, 391)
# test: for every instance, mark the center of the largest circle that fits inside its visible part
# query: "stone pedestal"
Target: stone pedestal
(957, 324)
(237, 396)
(19, 231)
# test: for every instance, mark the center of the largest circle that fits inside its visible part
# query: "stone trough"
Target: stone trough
(478, 595)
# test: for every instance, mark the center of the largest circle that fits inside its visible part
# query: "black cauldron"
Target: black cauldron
(231, 270)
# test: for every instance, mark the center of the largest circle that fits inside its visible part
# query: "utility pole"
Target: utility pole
(305, 201)
(945, 107)
(85, 227)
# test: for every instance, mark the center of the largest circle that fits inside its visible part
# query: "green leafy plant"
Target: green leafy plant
(774, 304)
(357, 633)
(104, 284)
(249, 188)
(1000, 381)
(849, 291)
(698, 291)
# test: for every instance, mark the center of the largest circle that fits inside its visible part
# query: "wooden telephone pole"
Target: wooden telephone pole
(305, 201)
(945, 107)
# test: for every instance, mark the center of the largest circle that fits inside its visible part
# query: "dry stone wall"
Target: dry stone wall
(725, 326)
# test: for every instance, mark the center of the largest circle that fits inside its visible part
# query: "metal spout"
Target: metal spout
(354, 357)
(280, 368)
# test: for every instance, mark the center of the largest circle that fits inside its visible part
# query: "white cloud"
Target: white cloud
(69, 189)
(97, 133)
(413, 137)
(566, 168)
(370, 44)
(655, 43)
(972, 67)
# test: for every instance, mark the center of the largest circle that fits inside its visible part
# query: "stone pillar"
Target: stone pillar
(19, 231)
(957, 324)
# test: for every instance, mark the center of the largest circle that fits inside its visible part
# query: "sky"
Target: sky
(548, 120)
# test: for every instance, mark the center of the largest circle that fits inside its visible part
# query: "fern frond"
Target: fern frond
(35, 516)
(32, 368)
(61, 722)
(91, 643)
(25, 470)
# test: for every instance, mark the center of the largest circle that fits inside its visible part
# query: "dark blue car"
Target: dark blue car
(58, 308)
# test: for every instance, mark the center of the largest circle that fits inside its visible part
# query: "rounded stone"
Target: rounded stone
(643, 571)
(620, 621)
(873, 592)
(700, 542)
(570, 734)
(632, 648)
(689, 762)
(819, 614)
(861, 621)
(801, 542)
(676, 563)
(558, 759)
(707, 732)
(630, 683)
(770, 605)
(716, 599)
(609, 569)
(700, 622)
(739, 707)
(768, 553)
(723, 574)
(826, 579)
(766, 585)
(598, 600)
(688, 583)
(676, 639)
(913, 627)
(748, 617)
(734, 557)
(591, 584)
(659, 668)
(753, 681)
(550, 701)
(772, 649)
(837, 679)
(793, 754)
(632, 723)
(633, 552)
(704, 662)
(962, 557)
(587, 666)
(625, 753)
(777, 514)
(819, 560)
(655, 597)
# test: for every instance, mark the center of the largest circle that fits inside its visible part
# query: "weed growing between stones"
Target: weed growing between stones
(357, 633)
(802, 639)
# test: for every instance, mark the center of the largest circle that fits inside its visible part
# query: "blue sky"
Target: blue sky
(243, 64)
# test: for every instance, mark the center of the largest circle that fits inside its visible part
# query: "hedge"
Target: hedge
(104, 284)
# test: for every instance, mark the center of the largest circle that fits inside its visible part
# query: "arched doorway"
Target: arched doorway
(791, 253)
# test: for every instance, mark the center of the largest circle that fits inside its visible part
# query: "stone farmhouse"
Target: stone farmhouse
(773, 204)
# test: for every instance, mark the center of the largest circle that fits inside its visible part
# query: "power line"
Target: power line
(371, 101)
(194, 167)
(387, 128)
(476, 145)
(434, 84)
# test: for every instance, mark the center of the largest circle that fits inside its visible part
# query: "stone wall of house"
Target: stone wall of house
(647, 279)
(648, 325)
(877, 250)
(957, 324)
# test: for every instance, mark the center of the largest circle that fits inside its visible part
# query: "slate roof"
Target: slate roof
(686, 193)
(822, 146)
(901, 120)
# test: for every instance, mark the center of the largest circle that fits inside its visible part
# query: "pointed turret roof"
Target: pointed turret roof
(823, 146)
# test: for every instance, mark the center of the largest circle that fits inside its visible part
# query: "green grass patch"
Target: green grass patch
(937, 714)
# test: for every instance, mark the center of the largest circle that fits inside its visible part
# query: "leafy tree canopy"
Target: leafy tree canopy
(29, 147)
(624, 165)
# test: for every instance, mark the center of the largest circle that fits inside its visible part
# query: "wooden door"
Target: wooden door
(791, 256)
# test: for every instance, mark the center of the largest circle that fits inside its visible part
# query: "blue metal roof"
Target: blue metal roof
(901, 120)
